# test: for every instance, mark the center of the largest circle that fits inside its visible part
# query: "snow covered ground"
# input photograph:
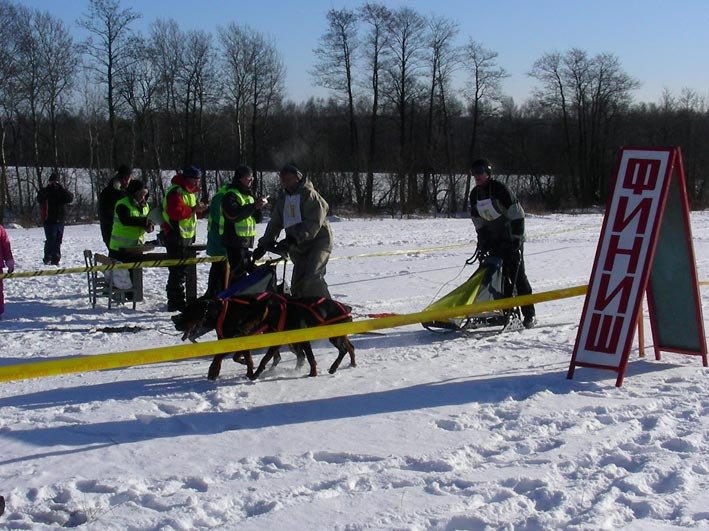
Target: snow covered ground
(430, 431)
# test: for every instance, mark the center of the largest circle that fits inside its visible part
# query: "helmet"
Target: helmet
(481, 165)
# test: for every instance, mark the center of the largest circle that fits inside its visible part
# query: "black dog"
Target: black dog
(265, 312)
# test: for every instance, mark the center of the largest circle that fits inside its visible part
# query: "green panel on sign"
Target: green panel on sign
(671, 286)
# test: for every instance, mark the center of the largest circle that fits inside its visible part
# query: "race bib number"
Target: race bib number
(291, 211)
(486, 210)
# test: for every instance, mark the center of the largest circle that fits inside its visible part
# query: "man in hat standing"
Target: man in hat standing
(499, 222)
(180, 209)
(301, 211)
(114, 191)
(53, 199)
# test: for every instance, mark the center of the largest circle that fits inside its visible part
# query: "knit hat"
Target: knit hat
(291, 168)
(54, 177)
(191, 172)
(134, 186)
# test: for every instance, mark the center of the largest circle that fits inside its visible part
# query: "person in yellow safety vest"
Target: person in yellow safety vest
(180, 209)
(130, 218)
(215, 227)
(240, 213)
(130, 222)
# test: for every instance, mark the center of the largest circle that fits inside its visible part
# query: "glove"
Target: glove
(10, 265)
(285, 245)
(258, 253)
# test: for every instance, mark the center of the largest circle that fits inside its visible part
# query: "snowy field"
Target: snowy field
(430, 431)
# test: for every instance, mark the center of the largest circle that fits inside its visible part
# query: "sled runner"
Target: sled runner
(486, 284)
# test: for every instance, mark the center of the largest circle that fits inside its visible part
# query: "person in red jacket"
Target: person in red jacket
(180, 209)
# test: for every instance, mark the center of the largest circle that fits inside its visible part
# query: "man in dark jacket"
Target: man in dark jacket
(114, 191)
(301, 212)
(241, 212)
(499, 222)
(180, 209)
(53, 199)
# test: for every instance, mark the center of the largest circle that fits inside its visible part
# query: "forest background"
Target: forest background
(393, 135)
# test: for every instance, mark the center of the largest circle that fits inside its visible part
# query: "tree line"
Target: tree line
(394, 133)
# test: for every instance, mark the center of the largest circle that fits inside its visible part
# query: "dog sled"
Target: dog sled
(486, 284)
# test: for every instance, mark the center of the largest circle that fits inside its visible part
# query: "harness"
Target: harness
(282, 305)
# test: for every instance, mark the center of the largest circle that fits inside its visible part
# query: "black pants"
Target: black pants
(516, 278)
(53, 233)
(176, 277)
(239, 262)
(215, 284)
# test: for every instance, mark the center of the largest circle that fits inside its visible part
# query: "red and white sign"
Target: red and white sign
(624, 258)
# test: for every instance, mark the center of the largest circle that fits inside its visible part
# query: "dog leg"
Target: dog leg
(215, 367)
(264, 361)
(305, 345)
(249, 362)
(296, 349)
(343, 347)
(276, 359)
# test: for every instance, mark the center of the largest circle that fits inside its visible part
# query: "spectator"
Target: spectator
(114, 191)
(499, 222)
(215, 225)
(301, 211)
(180, 209)
(240, 213)
(130, 223)
(53, 199)
(6, 260)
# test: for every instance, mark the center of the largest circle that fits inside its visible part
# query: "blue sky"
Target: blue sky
(662, 44)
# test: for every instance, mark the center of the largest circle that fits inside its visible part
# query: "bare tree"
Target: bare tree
(443, 59)
(267, 91)
(9, 68)
(138, 85)
(109, 50)
(484, 89)
(407, 41)
(168, 49)
(376, 46)
(59, 59)
(239, 54)
(590, 93)
(197, 83)
(335, 55)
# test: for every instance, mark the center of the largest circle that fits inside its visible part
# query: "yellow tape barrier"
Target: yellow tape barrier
(122, 265)
(209, 348)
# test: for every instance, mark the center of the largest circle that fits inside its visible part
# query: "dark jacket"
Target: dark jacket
(233, 212)
(107, 200)
(53, 199)
(504, 223)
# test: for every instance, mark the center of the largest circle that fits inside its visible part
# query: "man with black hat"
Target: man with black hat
(499, 222)
(114, 191)
(53, 199)
(301, 211)
(180, 209)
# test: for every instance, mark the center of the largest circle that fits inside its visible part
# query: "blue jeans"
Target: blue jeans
(53, 232)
